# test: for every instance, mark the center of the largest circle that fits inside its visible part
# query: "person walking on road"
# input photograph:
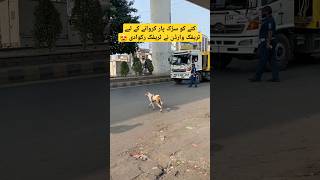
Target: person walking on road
(193, 77)
(267, 44)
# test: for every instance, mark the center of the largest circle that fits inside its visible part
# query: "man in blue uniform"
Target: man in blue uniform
(193, 77)
(267, 44)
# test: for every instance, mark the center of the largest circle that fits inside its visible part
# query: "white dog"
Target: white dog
(154, 99)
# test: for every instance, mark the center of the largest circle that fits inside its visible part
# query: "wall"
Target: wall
(9, 23)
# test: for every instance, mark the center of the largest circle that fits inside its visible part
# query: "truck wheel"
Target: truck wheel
(199, 77)
(221, 62)
(178, 81)
(283, 51)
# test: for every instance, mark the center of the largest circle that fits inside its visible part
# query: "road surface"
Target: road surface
(127, 103)
(54, 130)
(255, 123)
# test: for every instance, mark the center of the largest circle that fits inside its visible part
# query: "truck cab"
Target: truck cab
(235, 26)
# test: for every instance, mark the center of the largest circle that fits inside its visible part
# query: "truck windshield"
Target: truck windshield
(232, 4)
(180, 59)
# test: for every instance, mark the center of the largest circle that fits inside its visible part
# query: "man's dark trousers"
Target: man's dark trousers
(193, 80)
(266, 54)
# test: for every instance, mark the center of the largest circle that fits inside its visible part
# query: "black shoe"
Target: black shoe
(274, 80)
(254, 80)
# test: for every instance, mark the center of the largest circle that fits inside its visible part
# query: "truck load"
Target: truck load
(235, 26)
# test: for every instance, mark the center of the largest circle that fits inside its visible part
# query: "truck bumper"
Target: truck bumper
(232, 45)
(180, 75)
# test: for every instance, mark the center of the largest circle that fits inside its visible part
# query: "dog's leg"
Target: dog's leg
(153, 106)
(159, 107)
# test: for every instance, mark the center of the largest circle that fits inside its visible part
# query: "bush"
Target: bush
(47, 25)
(149, 65)
(137, 66)
(124, 68)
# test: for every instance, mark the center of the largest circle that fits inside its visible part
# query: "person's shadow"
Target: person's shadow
(123, 128)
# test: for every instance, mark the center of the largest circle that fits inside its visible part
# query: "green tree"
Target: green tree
(87, 16)
(124, 68)
(137, 66)
(96, 22)
(149, 65)
(47, 25)
(81, 19)
(119, 13)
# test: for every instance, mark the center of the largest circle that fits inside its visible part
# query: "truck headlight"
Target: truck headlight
(253, 24)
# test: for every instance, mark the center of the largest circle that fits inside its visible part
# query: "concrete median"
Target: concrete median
(134, 81)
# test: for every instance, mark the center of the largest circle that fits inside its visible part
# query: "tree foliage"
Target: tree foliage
(149, 65)
(137, 66)
(97, 22)
(119, 13)
(87, 16)
(47, 25)
(124, 68)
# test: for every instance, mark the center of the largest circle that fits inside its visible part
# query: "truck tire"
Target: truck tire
(284, 52)
(199, 77)
(221, 61)
(178, 81)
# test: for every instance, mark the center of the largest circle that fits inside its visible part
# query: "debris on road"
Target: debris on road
(194, 145)
(188, 127)
(177, 173)
(162, 138)
(139, 156)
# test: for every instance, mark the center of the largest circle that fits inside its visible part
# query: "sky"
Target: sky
(182, 12)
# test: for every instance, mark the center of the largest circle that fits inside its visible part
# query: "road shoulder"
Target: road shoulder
(176, 143)
(272, 153)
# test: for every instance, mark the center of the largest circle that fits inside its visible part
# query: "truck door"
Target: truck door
(282, 11)
(205, 62)
(197, 60)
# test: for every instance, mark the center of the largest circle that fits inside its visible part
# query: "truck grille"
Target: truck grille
(219, 28)
(178, 70)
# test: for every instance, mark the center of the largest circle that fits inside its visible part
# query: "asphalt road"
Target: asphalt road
(127, 103)
(252, 122)
(54, 131)
(240, 106)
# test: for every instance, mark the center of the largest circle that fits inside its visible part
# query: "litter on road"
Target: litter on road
(139, 156)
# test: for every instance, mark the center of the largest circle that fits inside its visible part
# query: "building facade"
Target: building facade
(202, 46)
(115, 64)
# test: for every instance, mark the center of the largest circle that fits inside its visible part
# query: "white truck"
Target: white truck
(235, 28)
(181, 63)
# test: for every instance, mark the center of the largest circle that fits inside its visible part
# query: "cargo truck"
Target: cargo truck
(181, 62)
(235, 28)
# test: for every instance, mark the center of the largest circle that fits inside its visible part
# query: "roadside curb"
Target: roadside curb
(46, 68)
(128, 83)
(50, 80)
